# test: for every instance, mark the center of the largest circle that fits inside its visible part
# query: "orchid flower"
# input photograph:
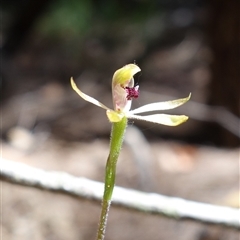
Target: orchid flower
(123, 91)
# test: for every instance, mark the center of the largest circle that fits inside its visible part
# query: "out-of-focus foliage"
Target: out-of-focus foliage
(74, 18)
(67, 18)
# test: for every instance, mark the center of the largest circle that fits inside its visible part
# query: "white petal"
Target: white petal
(86, 97)
(161, 105)
(165, 119)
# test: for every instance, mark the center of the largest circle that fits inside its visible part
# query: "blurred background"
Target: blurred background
(181, 46)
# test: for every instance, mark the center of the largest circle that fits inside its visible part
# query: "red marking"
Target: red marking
(132, 92)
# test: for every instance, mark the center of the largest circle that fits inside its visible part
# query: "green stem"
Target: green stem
(117, 134)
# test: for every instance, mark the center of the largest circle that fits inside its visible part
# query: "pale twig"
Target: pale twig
(22, 174)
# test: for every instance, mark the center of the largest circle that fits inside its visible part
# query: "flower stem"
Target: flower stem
(117, 134)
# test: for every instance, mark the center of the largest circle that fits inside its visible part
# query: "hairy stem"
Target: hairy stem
(117, 134)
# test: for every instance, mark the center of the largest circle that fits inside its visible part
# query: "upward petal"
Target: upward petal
(125, 74)
(164, 119)
(161, 105)
(86, 97)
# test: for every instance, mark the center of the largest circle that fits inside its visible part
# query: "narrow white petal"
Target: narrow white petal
(165, 119)
(161, 105)
(86, 97)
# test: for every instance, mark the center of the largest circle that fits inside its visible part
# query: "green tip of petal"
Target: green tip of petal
(124, 74)
(173, 120)
(177, 120)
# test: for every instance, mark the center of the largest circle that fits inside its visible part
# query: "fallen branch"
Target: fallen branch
(22, 174)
